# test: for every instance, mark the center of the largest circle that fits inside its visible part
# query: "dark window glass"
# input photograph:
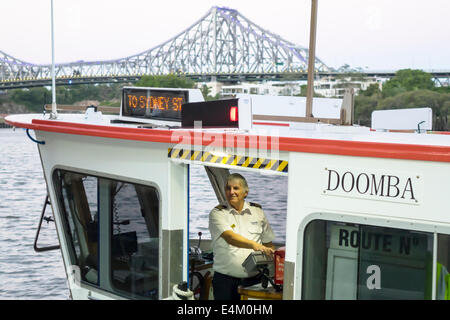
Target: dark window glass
(129, 263)
(351, 261)
(79, 203)
(135, 241)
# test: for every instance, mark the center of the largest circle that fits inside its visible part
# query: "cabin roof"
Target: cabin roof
(313, 138)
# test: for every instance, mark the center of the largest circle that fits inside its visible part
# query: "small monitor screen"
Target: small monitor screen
(153, 104)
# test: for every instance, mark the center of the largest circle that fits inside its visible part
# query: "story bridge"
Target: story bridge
(222, 44)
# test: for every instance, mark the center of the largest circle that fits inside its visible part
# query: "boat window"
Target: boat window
(443, 268)
(79, 201)
(353, 261)
(135, 240)
(112, 229)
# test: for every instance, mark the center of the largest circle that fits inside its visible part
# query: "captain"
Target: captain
(237, 229)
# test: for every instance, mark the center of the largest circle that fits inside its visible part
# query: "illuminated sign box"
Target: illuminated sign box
(153, 104)
(156, 105)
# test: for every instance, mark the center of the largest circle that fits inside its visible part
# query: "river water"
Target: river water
(25, 274)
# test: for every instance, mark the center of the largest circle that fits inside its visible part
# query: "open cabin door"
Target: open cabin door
(263, 174)
(267, 176)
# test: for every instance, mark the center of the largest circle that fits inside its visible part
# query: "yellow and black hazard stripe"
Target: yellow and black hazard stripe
(232, 160)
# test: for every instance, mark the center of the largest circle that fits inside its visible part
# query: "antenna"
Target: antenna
(54, 113)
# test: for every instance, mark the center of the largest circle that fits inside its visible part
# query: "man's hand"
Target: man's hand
(242, 242)
(263, 248)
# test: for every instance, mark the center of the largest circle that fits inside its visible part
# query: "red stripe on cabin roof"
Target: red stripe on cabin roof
(322, 146)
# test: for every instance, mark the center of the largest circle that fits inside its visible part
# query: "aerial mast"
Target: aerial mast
(54, 114)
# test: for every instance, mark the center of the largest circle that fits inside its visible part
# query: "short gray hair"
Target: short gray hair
(237, 176)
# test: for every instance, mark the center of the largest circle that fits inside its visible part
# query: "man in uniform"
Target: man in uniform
(237, 229)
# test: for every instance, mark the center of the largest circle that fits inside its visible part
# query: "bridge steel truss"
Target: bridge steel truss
(221, 42)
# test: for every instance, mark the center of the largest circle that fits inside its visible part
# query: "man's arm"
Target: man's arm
(241, 242)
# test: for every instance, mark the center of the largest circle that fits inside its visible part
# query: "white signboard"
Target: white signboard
(293, 106)
(382, 185)
(402, 119)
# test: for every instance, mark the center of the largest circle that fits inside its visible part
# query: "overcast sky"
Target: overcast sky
(377, 34)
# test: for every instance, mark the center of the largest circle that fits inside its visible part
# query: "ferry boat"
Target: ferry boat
(367, 214)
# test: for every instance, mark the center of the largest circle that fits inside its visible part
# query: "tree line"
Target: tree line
(407, 89)
(35, 98)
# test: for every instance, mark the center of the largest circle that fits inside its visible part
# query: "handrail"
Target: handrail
(48, 248)
(71, 108)
(32, 139)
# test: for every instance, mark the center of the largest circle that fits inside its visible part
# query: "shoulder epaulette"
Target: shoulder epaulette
(255, 205)
(220, 207)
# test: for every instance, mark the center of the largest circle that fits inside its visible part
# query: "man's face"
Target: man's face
(235, 194)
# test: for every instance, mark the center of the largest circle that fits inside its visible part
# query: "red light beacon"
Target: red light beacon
(233, 114)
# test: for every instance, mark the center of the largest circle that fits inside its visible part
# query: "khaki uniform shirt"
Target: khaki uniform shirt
(251, 223)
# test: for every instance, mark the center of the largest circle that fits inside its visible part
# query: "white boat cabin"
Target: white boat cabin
(367, 215)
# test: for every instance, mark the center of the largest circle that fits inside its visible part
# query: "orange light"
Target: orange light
(142, 102)
(132, 100)
(233, 114)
